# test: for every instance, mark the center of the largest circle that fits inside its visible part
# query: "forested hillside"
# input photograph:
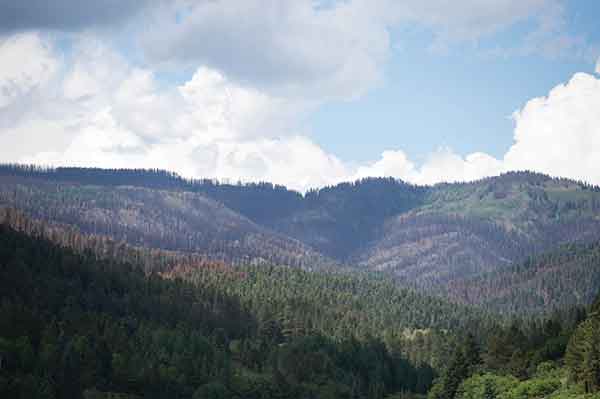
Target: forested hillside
(559, 358)
(134, 284)
(448, 239)
(557, 279)
(172, 220)
(464, 229)
(76, 326)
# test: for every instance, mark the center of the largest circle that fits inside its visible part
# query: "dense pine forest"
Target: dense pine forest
(75, 326)
(136, 283)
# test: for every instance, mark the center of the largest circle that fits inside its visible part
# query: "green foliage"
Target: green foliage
(471, 242)
(75, 326)
(487, 386)
(583, 353)
(463, 364)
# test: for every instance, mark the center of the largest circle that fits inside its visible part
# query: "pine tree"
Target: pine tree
(489, 392)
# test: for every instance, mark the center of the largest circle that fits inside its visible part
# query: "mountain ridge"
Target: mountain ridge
(433, 238)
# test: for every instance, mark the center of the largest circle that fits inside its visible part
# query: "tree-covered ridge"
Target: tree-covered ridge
(76, 326)
(172, 220)
(442, 239)
(335, 220)
(71, 322)
(564, 277)
(466, 228)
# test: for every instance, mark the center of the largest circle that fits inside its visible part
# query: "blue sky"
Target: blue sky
(304, 93)
(462, 98)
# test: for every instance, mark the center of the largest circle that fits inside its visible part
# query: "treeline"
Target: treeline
(168, 220)
(523, 176)
(349, 213)
(79, 326)
(75, 326)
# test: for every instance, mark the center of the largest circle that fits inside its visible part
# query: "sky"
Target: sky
(304, 93)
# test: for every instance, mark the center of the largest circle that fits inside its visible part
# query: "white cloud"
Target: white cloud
(101, 111)
(289, 47)
(442, 165)
(322, 50)
(27, 64)
(392, 163)
(314, 50)
(560, 134)
(446, 166)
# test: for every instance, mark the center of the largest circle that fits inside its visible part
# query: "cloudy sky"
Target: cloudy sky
(303, 92)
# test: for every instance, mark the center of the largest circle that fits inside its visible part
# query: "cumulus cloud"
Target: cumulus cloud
(101, 111)
(92, 107)
(443, 165)
(18, 76)
(315, 50)
(446, 166)
(558, 134)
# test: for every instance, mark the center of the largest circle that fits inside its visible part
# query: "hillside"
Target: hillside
(557, 359)
(172, 220)
(439, 239)
(467, 228)
(563, 277)
(73, 325)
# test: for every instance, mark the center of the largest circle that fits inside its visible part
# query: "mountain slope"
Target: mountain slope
(172, 220)
(465, 229)
(336, 221)
(567, 276)
(438, 239)
(75, 326)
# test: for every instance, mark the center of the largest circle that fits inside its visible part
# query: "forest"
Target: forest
(141, 284)
(459, 241)
(75, 326)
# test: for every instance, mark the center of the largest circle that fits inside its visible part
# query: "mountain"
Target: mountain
(464, 229)
(76, 325)
(154, 218)
(135, 284)
(563, 277)
(447, 239)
